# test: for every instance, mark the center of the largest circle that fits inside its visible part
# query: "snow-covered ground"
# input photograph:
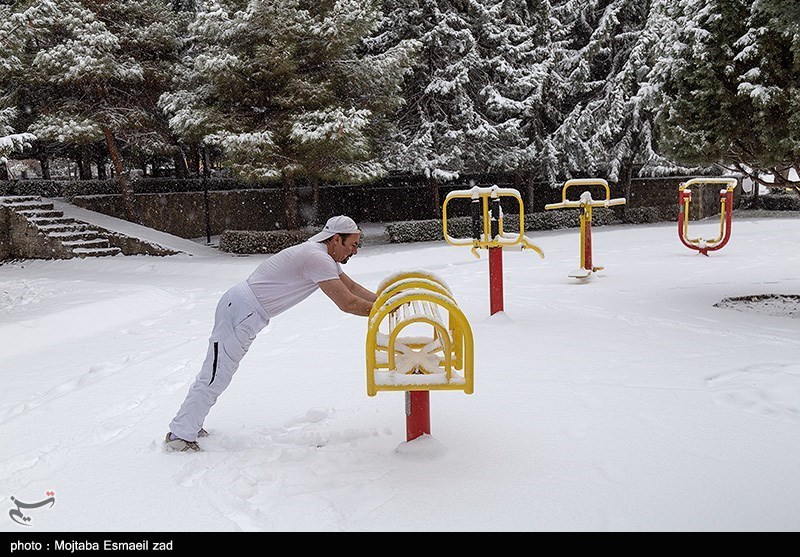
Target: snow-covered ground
(625, 402)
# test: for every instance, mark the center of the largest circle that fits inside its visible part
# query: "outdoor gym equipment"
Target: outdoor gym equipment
(585, 204)
(487, 232)
(726, 210)
(441, 359)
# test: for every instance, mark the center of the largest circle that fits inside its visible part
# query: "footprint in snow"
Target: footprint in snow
(767, 389)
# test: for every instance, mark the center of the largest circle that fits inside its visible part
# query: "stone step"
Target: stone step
(29, 206)
(68, 227)
(15, 199)
(40, 212)
(39, 221)
(95, 243)
(66, 235)
(96, 252)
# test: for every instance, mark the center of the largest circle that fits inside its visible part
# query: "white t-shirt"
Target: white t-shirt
(292, 275)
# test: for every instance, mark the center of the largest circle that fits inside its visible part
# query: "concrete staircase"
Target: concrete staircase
(66, 237)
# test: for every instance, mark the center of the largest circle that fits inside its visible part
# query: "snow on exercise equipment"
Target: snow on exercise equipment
(434, 353)
(725, 214)
(487, 232)
(585, 203)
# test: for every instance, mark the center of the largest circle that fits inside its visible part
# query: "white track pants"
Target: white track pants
(238, 319)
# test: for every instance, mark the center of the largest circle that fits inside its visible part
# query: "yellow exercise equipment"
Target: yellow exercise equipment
(489, 234)
(418, 302)
(585, 203)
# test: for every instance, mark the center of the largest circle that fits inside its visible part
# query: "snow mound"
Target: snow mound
(423, 447)
(779, 305)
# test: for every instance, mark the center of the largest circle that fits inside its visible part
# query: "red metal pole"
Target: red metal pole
(728, 197)
(683, 198)
(587, 246)
(418, 414)
(495, 280)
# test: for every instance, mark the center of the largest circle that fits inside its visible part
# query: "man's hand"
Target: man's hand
(357, 289)
(348, 302)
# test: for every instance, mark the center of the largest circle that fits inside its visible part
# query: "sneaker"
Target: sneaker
(180, 445)
(202, 433)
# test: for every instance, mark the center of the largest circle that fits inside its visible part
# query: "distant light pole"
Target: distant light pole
(205, 195)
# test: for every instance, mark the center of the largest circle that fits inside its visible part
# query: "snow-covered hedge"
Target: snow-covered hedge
(781, 201)
(261, 241)
(426, 230)
(59, 188)
(175, 185)
(461, 227)
(644, 215)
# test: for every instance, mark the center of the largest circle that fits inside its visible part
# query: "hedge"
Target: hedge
(644, 215)
(787, 201)
(261, 241)
(72, 188)
(461, 227)
(253, 241)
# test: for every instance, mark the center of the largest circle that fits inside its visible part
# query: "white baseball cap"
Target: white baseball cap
(335, 225)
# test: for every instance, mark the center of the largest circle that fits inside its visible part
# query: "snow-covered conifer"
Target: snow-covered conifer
(605, 50)
(517, 55)
(287, 91)
(10, 141)
(768, 66)
(731, 97)
(472, 97)
(89, 70)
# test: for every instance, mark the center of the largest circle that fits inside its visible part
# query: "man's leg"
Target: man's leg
(221, 362)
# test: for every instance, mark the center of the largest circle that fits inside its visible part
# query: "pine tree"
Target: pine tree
(517, 55)
(187, 157)
(469, 100)
(701, 90)
(93, 70)
(729, 99)
(600, 125)
(10, 140)
(437, 91)
(287, 92)
(768, 63)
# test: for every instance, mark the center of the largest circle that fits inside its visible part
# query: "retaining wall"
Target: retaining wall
(184, 214)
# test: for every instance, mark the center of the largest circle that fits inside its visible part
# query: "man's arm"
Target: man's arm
(346, 300)
(357, 289)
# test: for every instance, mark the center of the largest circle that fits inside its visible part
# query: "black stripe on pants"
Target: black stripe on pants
(214, 365)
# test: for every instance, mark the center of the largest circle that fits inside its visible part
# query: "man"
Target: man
(279, 283)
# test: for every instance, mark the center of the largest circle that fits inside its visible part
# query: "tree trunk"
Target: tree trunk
(433, 191)
(44, 162)
(194, 160)
(85, 163)
(3, 170)
(124, 187)
(627, 179)
(519, 183)
(314, 200)
(101, 167)
(290, 201)
(755, 196)
(100, 161)
(530, 188)
(181, 170)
